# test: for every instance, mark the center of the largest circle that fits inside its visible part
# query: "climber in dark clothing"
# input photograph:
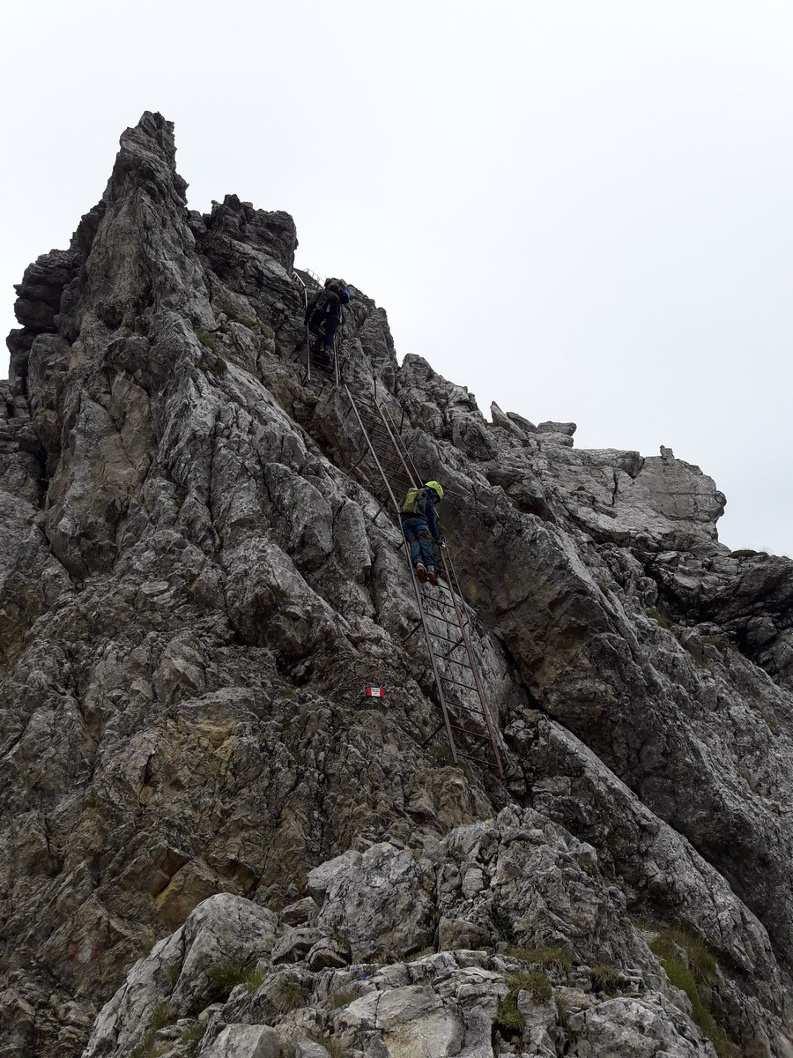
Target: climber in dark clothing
(323, 314)
(421, 528)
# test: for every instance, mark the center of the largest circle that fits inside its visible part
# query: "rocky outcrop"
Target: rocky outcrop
(200, 577)
(558, 968)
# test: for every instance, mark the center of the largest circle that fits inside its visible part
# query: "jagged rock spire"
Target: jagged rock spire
(197, 578)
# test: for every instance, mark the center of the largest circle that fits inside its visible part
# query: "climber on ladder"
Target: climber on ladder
(323, 316)
(421, 528)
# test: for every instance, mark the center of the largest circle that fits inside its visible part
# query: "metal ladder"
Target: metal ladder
(335, 361)
(445, 617)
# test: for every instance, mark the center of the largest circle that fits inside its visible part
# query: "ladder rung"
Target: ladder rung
(439, 602)
(463, 605)
(453, 625)
(385, 462)
(436, 601)
(472, 710)
(469, 732)
(439, 617)
(444, 620)
(412, 631)
(386, 453)
(449, 607)
(437, 635)
(445, 587)
(392, 472)
(460, 600)
(450, 661)
(479, 760)
(432, 734)
(448, 657)
(457, 683)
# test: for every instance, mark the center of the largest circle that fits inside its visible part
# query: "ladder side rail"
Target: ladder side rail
(453, 571)
(417, 593)
(455, 584)
(308, 336)
(397, 432)
(406, 459)
(479, 689)
(477, 677)
(397, 446)
(456, 599)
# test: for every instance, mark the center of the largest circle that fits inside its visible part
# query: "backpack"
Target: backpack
(339, 288)
(411, 501)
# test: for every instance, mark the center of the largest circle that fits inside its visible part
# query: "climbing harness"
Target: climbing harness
(445, 618)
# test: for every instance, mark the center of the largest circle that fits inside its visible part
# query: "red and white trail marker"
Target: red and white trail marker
(374, 692)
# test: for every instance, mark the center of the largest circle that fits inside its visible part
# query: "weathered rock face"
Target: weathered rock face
(546, 988)
(196, 580)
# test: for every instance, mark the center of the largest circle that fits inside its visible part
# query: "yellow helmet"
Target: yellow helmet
(436, 487)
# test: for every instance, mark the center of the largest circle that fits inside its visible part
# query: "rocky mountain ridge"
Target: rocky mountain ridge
(197, 579)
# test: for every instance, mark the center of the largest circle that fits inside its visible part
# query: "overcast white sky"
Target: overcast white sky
(580, 210)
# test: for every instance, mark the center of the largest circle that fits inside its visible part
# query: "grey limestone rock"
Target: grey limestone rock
(244, 1041)
(210, 843)
(540, 992)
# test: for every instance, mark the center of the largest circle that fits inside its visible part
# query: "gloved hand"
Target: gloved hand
(442, 542)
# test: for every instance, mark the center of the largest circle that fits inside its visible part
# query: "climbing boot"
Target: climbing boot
(432, 577)
(421, 571)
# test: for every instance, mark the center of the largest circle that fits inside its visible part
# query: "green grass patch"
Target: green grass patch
(290, 995)
(148, 1048)
(227, 975)
(193, 1034)
(535, 982)
(253, 323)
(606, 978)
(563, 1008)
(502, 920)
(163, 1015)
(699, 972)
(701, 960)
(509, 1020)
(253, 980)
(559, 957)
(659, 618)
(207, 338)
(211, 355)
(681, 977)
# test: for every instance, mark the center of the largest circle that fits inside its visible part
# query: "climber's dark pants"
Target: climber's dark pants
(323, 326)
(419, 537)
